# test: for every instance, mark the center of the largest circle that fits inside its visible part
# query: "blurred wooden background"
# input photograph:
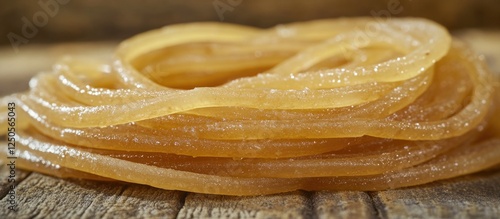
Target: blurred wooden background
(90, 20)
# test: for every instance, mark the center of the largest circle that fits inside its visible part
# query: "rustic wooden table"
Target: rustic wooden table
(41, 196)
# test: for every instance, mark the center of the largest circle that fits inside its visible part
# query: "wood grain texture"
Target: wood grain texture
(474, 196)
(348, 204)
(288, 205)
(41, 196)
(5, 172)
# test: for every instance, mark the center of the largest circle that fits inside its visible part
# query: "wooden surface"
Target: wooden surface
(40, 196)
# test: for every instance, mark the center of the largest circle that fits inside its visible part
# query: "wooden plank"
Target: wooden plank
(5, 174)
(349, 204)
(298, 204)
(287, 205)
(474, 196)
(41, 196)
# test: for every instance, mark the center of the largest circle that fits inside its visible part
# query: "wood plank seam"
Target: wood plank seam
(182, 202)
(310, 211)
(377, 205)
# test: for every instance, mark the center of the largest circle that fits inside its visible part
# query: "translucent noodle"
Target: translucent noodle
(228, 109)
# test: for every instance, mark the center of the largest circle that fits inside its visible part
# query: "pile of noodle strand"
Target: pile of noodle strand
(343, 104)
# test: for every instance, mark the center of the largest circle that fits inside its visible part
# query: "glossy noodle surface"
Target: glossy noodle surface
(343, 104)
